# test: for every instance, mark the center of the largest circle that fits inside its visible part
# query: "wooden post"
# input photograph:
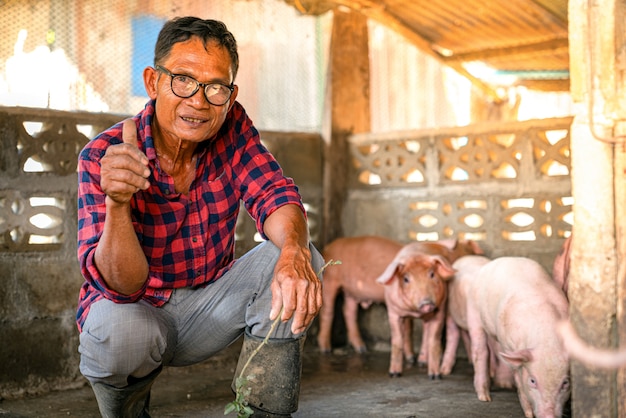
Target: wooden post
(349, 103)
(620, 224)
(597, 290)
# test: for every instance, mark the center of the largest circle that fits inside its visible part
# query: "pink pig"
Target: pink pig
(466, 268)
(514, 301)
(415, 287)
(456, 320)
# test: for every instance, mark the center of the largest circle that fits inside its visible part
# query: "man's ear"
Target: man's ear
(150, 79)
(233, 96)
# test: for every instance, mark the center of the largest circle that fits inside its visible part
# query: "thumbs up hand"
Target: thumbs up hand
(124, 168)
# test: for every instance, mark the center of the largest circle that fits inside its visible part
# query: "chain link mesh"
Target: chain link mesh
(89, 55)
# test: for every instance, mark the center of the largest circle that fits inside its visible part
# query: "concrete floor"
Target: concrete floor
(343, 384)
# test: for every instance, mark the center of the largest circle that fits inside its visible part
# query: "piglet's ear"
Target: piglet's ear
(517, 358)
(444, 269)
(387, 276)
(449, 243)
(475, 247)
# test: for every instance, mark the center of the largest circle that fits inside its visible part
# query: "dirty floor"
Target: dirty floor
(344, 384)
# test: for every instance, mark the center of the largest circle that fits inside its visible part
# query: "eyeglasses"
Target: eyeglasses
(185, 86)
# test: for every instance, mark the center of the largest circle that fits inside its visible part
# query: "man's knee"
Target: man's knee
(121, 340)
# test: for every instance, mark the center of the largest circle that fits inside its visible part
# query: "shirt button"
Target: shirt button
(198, 272)
(194, 239)
(167, 191)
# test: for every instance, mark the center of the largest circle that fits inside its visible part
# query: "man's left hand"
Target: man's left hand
(296, 288)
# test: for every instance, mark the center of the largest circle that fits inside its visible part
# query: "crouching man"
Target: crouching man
(158, 199)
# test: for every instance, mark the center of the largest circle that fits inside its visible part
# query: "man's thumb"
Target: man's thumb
(129, 132)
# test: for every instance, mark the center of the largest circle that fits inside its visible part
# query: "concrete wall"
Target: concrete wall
(39, 275)
(505, 185)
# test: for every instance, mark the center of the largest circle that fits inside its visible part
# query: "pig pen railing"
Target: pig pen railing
(506, 185)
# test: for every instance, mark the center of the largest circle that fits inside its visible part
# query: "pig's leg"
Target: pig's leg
(396, 325)
(435, 331)
(494, 347)
(453, 334)
(330, 288)
(480, 355)
(350, 314)
(500, 371)
(467, 343)
(504, 376)
(409, 354)
(422, 358)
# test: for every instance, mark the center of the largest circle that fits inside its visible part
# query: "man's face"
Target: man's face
(194, 118)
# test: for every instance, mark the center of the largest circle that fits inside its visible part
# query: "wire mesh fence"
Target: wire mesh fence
(89, 55)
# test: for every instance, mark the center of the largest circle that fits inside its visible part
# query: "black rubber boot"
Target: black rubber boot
(272, 375)
(132, 401)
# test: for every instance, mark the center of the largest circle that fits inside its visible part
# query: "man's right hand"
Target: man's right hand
(124, 168)
(119, 255)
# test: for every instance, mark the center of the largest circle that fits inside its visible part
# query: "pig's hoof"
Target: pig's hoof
(361, 350)
(434, 376)
(411, 360)
(484, 397)
(395, 374)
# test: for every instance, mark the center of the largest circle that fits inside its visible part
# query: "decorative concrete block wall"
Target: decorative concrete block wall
(505, 185)
(39, 274)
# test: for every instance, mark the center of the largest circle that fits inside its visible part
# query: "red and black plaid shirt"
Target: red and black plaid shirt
(188, 239)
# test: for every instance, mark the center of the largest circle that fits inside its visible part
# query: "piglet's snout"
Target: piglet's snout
(426, 306)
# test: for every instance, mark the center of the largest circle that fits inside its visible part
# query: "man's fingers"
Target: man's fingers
(129, 136)
(129, 132)
(277, 301)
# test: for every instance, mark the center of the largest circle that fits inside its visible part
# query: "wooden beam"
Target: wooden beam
(553, 45)
(349, 104)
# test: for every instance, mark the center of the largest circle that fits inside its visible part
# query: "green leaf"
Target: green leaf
(231, 407)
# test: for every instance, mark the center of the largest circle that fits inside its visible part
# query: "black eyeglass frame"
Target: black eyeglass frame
(204, 86)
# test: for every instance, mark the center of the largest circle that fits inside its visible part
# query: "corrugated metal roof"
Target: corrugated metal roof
(525, 38)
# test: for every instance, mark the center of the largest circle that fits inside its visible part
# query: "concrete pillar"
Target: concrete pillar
(597, 288)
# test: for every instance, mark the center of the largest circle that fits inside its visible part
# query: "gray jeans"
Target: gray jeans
(123, 340)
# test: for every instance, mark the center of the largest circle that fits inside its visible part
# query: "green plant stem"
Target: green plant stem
(267, 337)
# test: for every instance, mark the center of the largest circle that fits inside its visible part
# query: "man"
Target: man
(158, 199)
